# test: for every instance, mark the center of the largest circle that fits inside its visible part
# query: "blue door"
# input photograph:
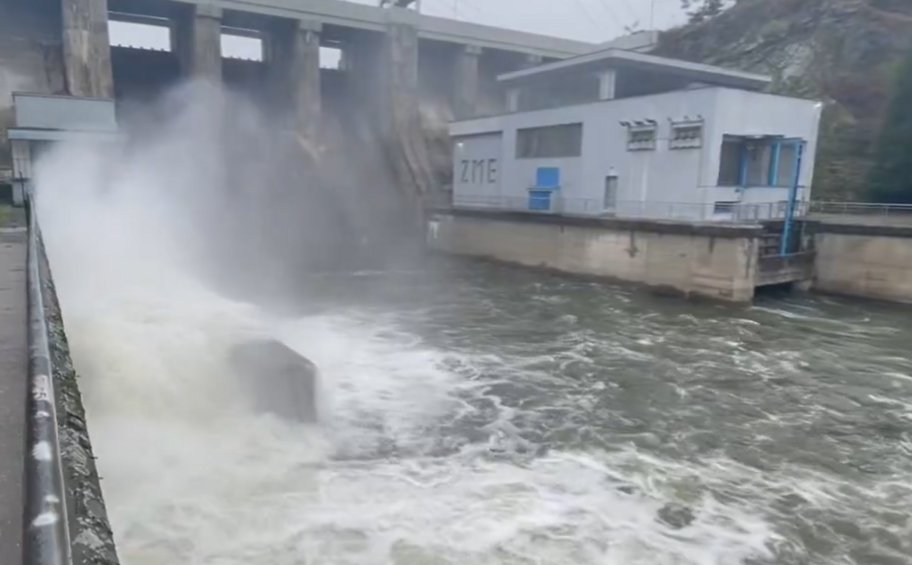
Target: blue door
(547, 181)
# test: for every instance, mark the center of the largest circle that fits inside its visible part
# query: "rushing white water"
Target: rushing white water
(421, 454)
(192, 476)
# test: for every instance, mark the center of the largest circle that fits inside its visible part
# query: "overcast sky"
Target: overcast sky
(586, 20)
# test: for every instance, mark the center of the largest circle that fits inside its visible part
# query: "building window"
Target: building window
(686, 135)
(152, 36)
(550, 142)
(769, 161)
(611, 191)
(641, 138)
(242, 44)
(730, 163)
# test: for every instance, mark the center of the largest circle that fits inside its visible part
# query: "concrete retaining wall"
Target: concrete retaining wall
(90, 530)
(864, 261)
(718, 262)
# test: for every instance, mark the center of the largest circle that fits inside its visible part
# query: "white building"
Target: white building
(628, 134)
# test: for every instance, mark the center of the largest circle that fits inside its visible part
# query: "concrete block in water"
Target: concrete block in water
(278, 379)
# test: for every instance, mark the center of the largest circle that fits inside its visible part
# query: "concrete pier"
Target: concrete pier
(86, 49)
(399, 79)
(466, 84)
(13, 377)
(294, 71)
(198, 41)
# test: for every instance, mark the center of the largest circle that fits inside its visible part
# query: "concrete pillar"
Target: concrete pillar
(466, 82)
(293, 56)
(607, 81)
(400, 65)
(384, 78)
(410, 155)
(86, 48)
(207, 43)
(513, 99)
(198, 38)
(514, 94)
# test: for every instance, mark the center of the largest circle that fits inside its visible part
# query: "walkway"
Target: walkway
(13, 376)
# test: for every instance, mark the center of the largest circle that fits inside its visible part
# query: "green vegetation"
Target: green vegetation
(701, 10)
(844, 53)
(891, 174)
(4, 214)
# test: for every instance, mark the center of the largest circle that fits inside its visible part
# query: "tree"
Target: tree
(702, 10)
(891, 175)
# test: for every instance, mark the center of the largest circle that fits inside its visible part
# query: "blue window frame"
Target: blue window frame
(759, 162)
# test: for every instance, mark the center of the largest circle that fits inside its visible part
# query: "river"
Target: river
(475, 413)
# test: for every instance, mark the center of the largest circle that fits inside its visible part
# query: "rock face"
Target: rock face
(278, 379)
(843, 52)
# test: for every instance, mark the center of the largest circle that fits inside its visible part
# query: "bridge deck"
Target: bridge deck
(13, 375)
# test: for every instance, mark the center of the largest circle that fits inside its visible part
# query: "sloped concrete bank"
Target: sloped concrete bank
(90, 531)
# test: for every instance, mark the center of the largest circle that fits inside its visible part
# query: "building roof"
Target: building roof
(623, 59)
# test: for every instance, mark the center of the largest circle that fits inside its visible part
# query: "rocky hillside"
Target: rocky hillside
(843, 52)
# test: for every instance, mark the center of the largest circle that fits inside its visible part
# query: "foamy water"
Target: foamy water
(407, 465)
(192, 475)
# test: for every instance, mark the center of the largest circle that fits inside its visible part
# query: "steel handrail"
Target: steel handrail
(46, 535)
(859, 208)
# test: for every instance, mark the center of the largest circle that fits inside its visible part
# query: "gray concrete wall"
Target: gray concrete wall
(718, 263)
(31, 58)
(864, 261)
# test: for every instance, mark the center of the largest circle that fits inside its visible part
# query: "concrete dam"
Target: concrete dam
(181, 205)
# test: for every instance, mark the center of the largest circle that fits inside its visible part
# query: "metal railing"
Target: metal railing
(861, 209)
(676, 210)
(636, 209)
(47, 536)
